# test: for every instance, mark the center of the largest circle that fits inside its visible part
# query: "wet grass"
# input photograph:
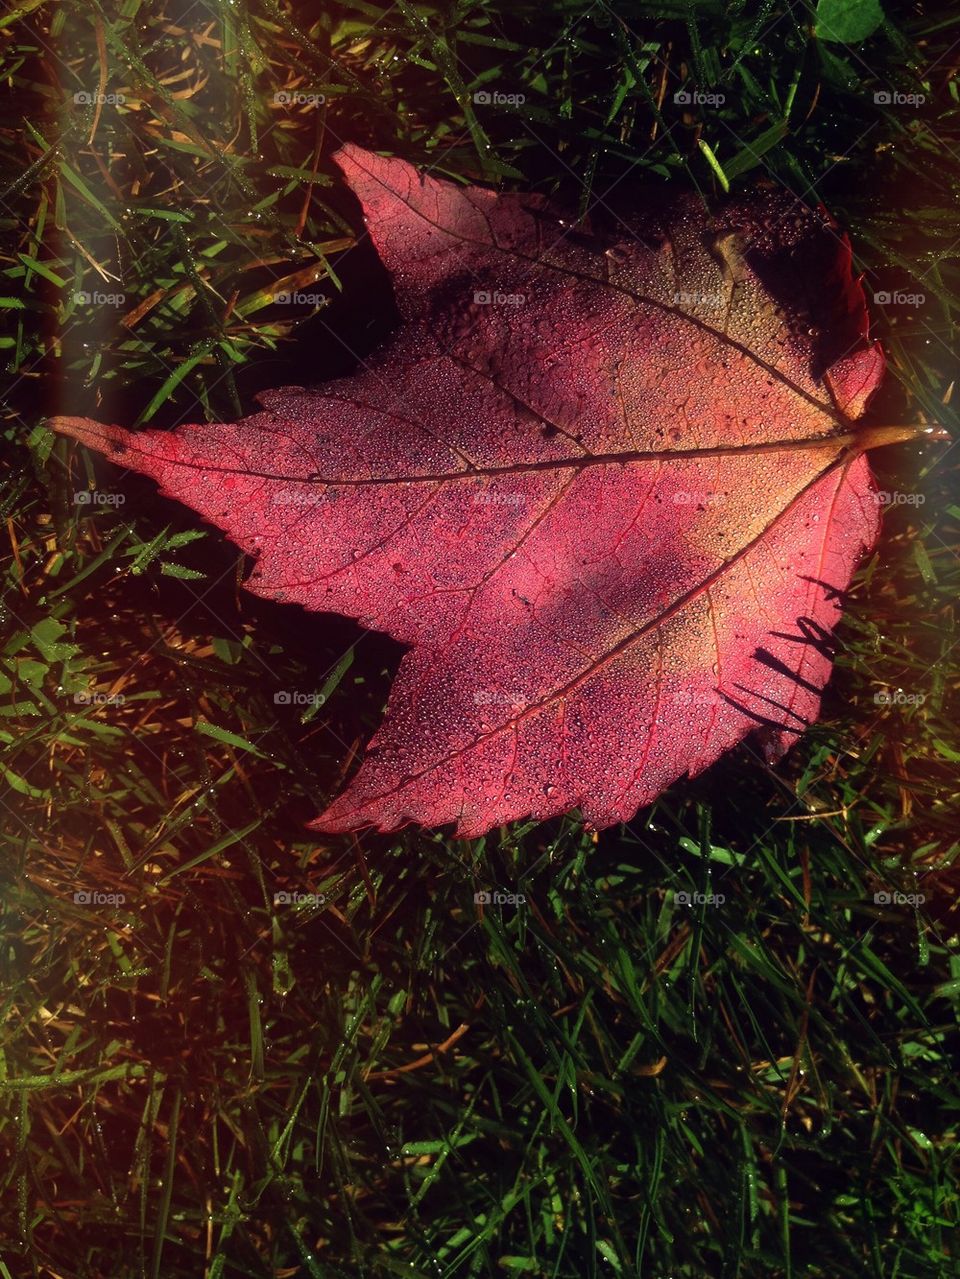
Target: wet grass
(379, 1077)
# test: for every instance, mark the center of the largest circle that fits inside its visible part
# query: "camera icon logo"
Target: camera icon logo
(482, 298)
(482, 98)
(482, 898)
(282, 899)
(682, 899)
(883, 97)
(82, 898)
(83, 498)
(682, 98)
(882, 298)
(281, 699)
(882, 899)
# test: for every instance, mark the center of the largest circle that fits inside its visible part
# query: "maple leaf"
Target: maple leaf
(605, 483)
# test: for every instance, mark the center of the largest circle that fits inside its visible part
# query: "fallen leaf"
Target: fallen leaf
(605, 484)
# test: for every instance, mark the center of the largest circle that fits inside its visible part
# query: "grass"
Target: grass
(381, 1079)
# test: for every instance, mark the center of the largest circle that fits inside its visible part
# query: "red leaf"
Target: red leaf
(611, 510)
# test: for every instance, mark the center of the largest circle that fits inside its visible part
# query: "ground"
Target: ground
(378, 1077)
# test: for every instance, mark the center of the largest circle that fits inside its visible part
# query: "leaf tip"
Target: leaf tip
(110, 440)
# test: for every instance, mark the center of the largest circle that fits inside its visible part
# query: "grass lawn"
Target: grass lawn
(374, 1078)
